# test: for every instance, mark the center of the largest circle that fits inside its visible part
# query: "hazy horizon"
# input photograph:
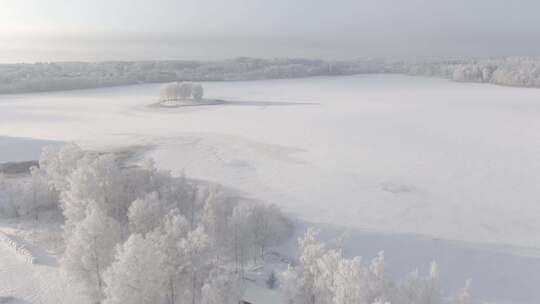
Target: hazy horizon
(61, 30)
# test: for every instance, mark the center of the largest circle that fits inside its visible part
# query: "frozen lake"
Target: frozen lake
(377, 153)
(382, 153)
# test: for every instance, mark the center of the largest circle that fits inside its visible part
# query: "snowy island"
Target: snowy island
(182, 94)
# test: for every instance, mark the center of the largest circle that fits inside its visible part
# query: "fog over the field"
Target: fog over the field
(56, 30)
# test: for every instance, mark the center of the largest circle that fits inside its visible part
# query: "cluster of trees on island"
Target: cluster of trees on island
(14, 78)
(178, 91)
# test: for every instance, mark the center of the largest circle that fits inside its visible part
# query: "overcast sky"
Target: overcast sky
(52, 30)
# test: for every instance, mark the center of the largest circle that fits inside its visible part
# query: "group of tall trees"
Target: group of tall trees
(134, 234)
(26, 197)
(509, 71)
(323, 275)
(177, 91)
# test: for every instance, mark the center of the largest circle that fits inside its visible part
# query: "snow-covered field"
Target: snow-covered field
(379, 153)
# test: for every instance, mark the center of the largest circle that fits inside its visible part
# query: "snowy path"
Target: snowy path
(37, 283)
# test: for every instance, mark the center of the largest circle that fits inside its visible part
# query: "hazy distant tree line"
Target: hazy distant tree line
(512, 71)
(75, 75)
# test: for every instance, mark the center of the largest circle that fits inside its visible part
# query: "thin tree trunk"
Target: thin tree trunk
(98, 268)
(171, 287)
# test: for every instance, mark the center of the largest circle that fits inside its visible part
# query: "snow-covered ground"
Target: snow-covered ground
(379, 153)
(22, 282)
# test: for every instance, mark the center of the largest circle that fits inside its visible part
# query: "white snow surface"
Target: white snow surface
(383, 153)
(380, 154)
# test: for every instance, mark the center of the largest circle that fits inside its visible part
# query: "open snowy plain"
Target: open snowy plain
(377, 155)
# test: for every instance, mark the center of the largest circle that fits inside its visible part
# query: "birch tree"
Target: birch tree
(89, 250)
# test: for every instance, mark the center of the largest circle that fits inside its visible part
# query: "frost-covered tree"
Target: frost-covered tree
(89, 250)
(222, 287)
(39, 195)
(101, 181)
(173, 229)
(135, 276)
(145, 214)
(197, 91)
(464, 296)
(269, 227)
(271, 282)
(299, 281)
(169, 91)
(195, 247)
(355, 282)
(241, 236)
(417, 289)
(216, 218)
(184, 90)
(59, 162)
(350, 282)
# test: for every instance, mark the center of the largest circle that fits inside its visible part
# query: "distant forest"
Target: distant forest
(55, 76)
